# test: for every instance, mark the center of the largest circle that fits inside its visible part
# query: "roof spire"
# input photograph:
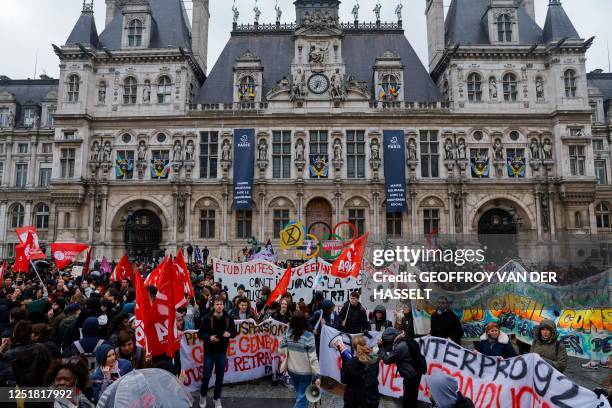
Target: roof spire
(88, 6)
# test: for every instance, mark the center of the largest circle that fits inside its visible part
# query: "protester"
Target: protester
(110, 368)
(353, 316)
(379, 320)
(546, 344)
(495, 343)
(445, 323)
(70, 373)
(41, 333)
(88, 344)
(128, 350)
(283, 314)
(216, 331)
(404, 321)
(360, 375)
(445, 393)
(28, 360)
(243, 310)
(299, 357)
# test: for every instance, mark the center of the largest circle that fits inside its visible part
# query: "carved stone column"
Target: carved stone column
(28, 213)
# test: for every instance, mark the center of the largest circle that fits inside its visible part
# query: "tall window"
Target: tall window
(50, 117)
(47, 148)
(510, 88)
(244, 224)
(67, 161)
(246, 89)
(474, 87)
(21, 174)
(17, 216)
(164, 90)
(429, 153)
(318, 142)
(73, 88)
(431, 220)
(28, 117)
(125, 165)
(281, 154)
(42, 216)
(209, 149)
(504, 28)
(67, 217)
(22, 148)
(602, 214)
(130, 90)
(4, 117)
(160, 158)
(394, 225)
(207, 224)
(281, 218)
(357, 218)
(570, 83)
(516, 155)
(135, 33)
(390, 87)
(355, 153)
(598, 144)
(601, 172)
(44, 177)
(577, 159)
(594, 116)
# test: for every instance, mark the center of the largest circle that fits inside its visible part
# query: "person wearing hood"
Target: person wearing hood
(379, 320)
(354, 318)
(495, 343)
(326, 316)
(445, 323)
(445, 393)
(547, 345)
(110, 368)
(404, 321)
(89, 343)
(360, 375)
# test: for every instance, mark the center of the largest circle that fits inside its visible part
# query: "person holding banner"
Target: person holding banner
(360, 375)
(445, 393)
(548, 346)
(354, 318)
(495, 343)
(445, 323)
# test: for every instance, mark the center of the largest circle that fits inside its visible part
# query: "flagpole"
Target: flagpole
(45, 292)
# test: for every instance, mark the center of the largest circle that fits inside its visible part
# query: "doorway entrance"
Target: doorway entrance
(143, 234)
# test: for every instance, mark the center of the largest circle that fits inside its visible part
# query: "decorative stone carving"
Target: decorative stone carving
(535, 149)
(11, 119)
(107, 153)
(102, 92)
(97, 211)
(539, 88)
(449, 153)
(177, 152)
(146, 92)
(498, 150)
(547, 150)
(545, 211)
(181, 199)
(189, 150)
(317, 54)
(458, 203)
(461, 150)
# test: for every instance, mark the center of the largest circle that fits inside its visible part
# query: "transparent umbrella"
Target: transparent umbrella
(148, 388)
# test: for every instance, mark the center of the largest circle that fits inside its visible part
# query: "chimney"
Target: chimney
(435, 31)
(529, 7)
(199, 32)
(111, 10)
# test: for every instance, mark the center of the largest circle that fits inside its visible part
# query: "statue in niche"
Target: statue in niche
(498, 150)
(448, 150)
(106, 154)
(547, 150)
(492, 88)
(11, 119)
(102, 93)
(189, 150)
(412, 150)
(375, 150)
(146, 92)
(337, 150)
(226, 148)
(96, 151)
(142, 150)
(262, 150)
(461, 149)
(299, 150)
(535, 149)
(177, 151)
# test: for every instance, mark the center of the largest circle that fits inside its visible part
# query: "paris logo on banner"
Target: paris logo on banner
(244, 165)
(395, 170)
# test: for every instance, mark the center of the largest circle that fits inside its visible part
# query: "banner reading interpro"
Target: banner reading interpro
(395, 170)
(244, 156)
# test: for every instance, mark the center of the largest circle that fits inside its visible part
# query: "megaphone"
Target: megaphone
(313, 393)
(338, 344)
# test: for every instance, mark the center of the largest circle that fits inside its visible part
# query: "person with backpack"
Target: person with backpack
(88, 344)
(360, 375)
(405, 353)
(548, 346)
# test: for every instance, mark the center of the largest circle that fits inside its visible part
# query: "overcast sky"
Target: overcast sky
(28, 27)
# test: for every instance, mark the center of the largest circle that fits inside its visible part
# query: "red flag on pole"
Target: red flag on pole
(31, 249)
(22, 234)
(2, 270)
(21, 262)
(281, 287)
(155, 275)
(183, 273)
(88, 262)
(348, 264)
(123, 270)
(66, 252)
(143, 310)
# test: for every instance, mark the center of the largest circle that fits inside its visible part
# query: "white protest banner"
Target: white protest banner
(252, 354)
(523, 381)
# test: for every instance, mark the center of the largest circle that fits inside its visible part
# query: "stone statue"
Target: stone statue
(448, 150)
(299, 150)
(398, 11)
(335, 89)
(180, 207)
(299, 85)
(355, 11)
(316, 54)
(189, 151)
(177, 155)
(547, 150)
(142, 150)
(36, 123)
(535, 149)
(94, 156)
(377, 11)
(337, 150)
(262, 150)
(279, 13)
(412, 150)
(461, 149)
(226, 148)
(102, 93)
(498, 150)
(492, 88)
(458, 213)
(106, 154)
(375, 150)
(539, 88)
(257, 13)
(236, 13)
(146, 92)
(11, 119)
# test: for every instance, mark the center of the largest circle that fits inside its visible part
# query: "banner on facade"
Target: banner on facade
(524, 381)
(516, 165)
(244, 156)
(319, 166)
(480, 166)
(251, 355)
(395, 170)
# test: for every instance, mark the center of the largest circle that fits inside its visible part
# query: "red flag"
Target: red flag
(183, 273)
(155, 275)
(123, 270)
(21, 262)
(2, 270)
(31, 249)
(348, 264)
(22, 234)
(281, 287)
(65, 253)
(142, 310)
(87, 262)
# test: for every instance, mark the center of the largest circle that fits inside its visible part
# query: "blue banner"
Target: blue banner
(395, 170)
(244, 165)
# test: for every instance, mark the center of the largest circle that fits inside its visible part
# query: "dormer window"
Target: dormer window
(570, 83)
(73, 88)
(130, 90)
(164, 90)
(135, 33)
(28, 117)
(504, 28)
(390, 88)
(246, 90)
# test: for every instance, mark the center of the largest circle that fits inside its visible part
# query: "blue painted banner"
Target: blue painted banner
(395, 170)
(244, 162)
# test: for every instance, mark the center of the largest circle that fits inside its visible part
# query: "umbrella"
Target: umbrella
(147, 388)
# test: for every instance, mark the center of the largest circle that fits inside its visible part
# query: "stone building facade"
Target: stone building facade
(505, 132)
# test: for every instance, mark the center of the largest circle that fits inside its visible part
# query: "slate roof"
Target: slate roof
(466, 23)
(84, 31)
(558, 25)
(603, 82)
(359, 50)
(28, 92)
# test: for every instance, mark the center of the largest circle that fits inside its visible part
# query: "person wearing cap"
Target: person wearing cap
(495, 343)
(445, 393)
(110, 368)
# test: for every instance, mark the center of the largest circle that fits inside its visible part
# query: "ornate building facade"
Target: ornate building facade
(132, 148)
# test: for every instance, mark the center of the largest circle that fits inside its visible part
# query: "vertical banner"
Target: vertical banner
(244, 156)
(395, 170)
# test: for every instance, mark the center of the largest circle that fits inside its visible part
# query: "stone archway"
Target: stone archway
(319, 217)
(498, 232)
(142, 234)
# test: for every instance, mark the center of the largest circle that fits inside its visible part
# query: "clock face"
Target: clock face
(318, 83)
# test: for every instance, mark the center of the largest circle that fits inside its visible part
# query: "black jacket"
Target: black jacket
(356, 319)
(447, 326)
(400, 353)
(30, 363)
(208, 328)
(357, 394)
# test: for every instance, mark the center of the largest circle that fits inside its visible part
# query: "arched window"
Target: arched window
(42, 216)
(246, 90)
(570, 83)
(474, 87)
(390, 87)
(164, 90)
(602, 214)
(17, 216)
(510, 88)
(73, 88)
(130, 90)
(504, 28)
(135, 33)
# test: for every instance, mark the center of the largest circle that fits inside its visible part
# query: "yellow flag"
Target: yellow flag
(292, 236)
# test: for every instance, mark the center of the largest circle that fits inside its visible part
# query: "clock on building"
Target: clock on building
(318, 83)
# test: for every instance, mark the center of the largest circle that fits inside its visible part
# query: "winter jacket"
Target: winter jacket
(332, 320)
(210, 326)
(500, 348)
(551, 350)
(400, 353)
(88, 343)
(99, 383)
(406, 324)
(358, 394)
(301, 355)
(383, 323)
(444, 391)
(29, 362)
(235, 314)
(282, 318)
(356, 319)
(447, 326)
